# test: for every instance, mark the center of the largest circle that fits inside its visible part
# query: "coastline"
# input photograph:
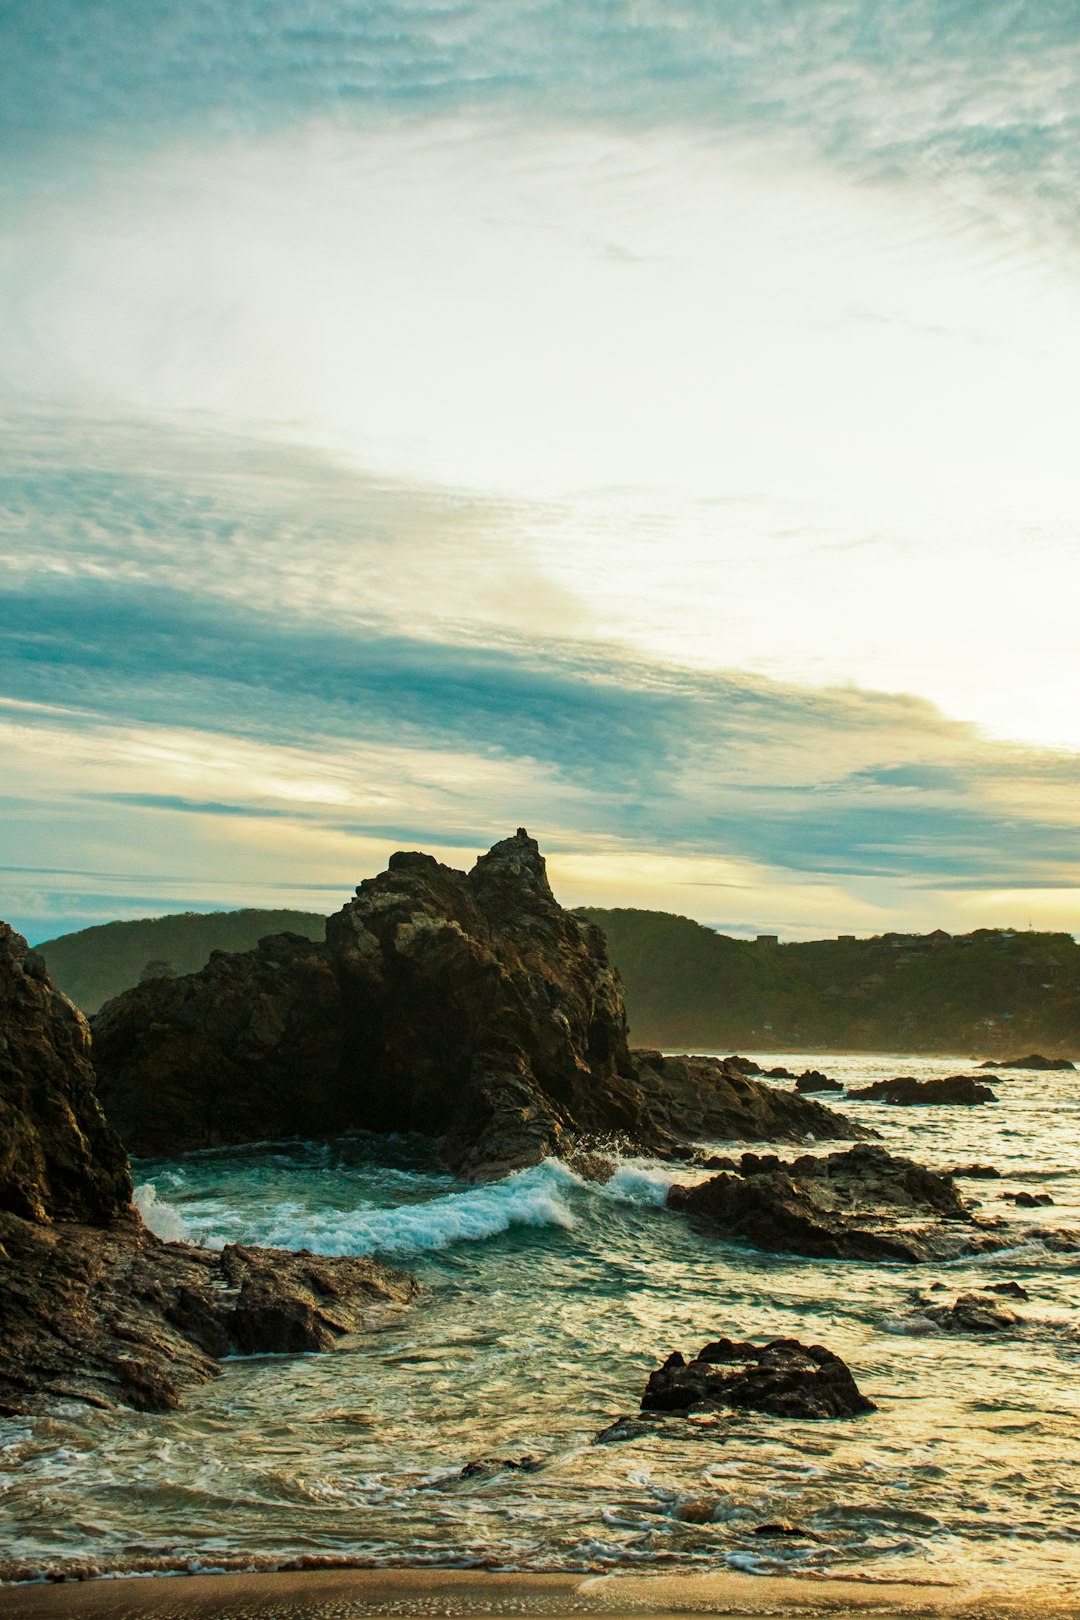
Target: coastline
(368, 1594)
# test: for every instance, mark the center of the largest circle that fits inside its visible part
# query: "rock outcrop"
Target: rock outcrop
(957, 1090)
(783, 1378)
(814, 1080)
(239, 1052)
(95, 1307)
(114, 1316)
(467, 1006)
(59, 1159)
(864, 1204)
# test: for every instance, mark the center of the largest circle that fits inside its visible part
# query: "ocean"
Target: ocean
(548, 1302)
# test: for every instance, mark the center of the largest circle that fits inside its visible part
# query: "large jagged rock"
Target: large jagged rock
(245, 1050)
(115, 1316)
(784, 1378)
(466, 1006)
(94, 1307)
(865, 1204)
(59, 1159)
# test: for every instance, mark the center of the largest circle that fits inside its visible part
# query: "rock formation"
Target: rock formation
(58, 1157)
(94, 1306)
(814, 1080)
(114, 1316)
(956, 1090)
(470, 1007)
(864, 1204)
(784, 1378)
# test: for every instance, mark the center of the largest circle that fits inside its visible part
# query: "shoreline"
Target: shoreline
(343, 1593)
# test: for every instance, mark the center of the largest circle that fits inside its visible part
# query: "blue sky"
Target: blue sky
(651, 423)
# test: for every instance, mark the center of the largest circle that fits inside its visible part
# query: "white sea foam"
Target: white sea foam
(533, 1197)
(163, 1219)
(640, 1184)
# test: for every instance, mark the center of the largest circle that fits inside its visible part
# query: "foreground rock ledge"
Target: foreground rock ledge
(783, 1378)
(115, 1316)
(470, 1007)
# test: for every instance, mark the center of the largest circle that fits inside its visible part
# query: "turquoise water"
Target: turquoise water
(548, 1301)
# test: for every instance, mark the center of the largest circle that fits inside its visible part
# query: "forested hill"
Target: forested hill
(990, 993)
(97, 963)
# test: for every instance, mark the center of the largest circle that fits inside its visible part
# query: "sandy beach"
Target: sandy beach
(344, 1593)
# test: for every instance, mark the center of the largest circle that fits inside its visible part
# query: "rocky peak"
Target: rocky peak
(59, 1160)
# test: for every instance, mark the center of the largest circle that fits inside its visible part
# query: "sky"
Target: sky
(651, 423)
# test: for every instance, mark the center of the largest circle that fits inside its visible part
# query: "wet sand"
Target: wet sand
(342, 1594)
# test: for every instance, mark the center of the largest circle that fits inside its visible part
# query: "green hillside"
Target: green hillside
(97, 963)
(993, 992)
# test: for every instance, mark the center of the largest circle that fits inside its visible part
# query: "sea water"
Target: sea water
(548, 1302)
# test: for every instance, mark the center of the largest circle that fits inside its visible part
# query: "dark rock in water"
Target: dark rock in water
(94, 1307)
(973, 1313)
(779, 1073)
(853, 1205)
(625, 1429)
(703, 1098)
(814, 1080)
(59, 1160)
(975, 1172)
(489, 1467)
(1034, 1060)
(778, 1529)
(784, 1378)
(116, 1316)
(469, 1007)
(1026, 1200)
(744, 1065)
(1011, 1290)
(957, 1089)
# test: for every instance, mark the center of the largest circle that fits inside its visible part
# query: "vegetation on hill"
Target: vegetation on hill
(97, 963)
(994, 992)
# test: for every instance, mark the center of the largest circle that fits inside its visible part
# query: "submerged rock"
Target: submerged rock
(1034, 1060)
(863, 1204)
(975, 1172)
(467, 1006)
(957, 1089)
(976, 1312)
(784, 1378)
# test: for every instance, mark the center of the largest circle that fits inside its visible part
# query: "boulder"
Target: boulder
(783, 1378)
(467, 1006)
(59, 1159)
(864, 1204)
(1034, 1060)
(814, 1080)
(974, 1313)
(904, 1091)
(975, 1172)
